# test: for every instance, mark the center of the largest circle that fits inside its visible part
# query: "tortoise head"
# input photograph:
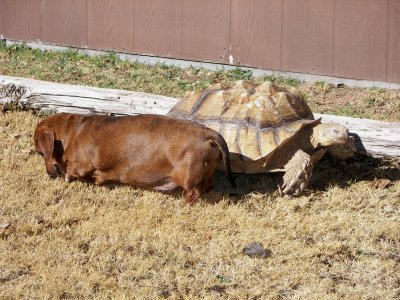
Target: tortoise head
(335, 138)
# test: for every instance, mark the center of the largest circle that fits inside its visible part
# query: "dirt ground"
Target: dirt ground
(76, 240)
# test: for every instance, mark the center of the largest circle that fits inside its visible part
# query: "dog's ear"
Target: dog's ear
(44, 143)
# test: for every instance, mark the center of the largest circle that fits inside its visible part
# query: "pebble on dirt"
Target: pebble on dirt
(256, 249)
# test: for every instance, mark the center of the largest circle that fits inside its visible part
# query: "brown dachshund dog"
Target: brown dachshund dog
(148, 151)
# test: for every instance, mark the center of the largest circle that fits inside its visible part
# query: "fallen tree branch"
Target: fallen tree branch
(48, 97)
(374, 137)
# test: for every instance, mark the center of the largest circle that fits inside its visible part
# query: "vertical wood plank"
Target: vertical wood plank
(64, 22)
(393, 59)
(22, 19)
(307, 36)
(110, 25)
(360, 39)
(2, 17)
(256, 33)
(157, 27)
(205, 30)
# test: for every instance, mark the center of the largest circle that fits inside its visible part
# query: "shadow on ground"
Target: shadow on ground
(328, 172)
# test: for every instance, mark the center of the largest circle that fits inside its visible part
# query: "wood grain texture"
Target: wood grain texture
(307, 36)
(288, 35)
(110, 25)
(256, 33)
(360, 39)
(157, 27)
(22, 19)
(2, 17)
(205, 30)
(64, 22)
(49, 97)
(393, 59)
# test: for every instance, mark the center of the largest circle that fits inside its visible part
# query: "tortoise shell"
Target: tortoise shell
(254, 120)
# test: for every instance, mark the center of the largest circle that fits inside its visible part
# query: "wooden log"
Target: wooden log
(48, 97)
(374, 137)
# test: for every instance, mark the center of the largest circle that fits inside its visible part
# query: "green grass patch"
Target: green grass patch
(281, 80)
(320, 84)
(240, 74)
(348, 109)
(110, 71)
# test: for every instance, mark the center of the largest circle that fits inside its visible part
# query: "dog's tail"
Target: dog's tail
(217, 140)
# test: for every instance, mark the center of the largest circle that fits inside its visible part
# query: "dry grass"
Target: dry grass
(340, 239)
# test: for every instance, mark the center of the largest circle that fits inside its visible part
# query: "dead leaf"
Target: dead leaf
(5, 225)
(29, 151)
(218, 288)
(380, 183)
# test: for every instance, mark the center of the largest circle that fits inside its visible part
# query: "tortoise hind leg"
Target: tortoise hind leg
(298, 172)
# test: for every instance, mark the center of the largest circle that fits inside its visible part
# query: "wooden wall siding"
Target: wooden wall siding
(307, 36)
(393, 60)
(2, 17)
(64, 22)
(22, 19)
(157, 27)
(346, 38)
(110, 25)
(205, 30)
(360, 40)
(256, 33)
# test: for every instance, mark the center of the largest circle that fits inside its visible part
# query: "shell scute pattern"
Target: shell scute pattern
(253, 119)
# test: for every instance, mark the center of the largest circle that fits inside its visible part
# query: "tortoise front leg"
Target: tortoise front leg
(298, 172)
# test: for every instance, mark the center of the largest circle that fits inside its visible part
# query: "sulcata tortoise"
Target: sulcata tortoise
(267, 129)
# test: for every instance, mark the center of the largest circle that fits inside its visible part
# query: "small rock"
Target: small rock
(256, 249)
(380, 183)
(17, 136)
(165, 292)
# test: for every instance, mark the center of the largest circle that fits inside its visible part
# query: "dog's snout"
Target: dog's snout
(54, 171)
(57, 169)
